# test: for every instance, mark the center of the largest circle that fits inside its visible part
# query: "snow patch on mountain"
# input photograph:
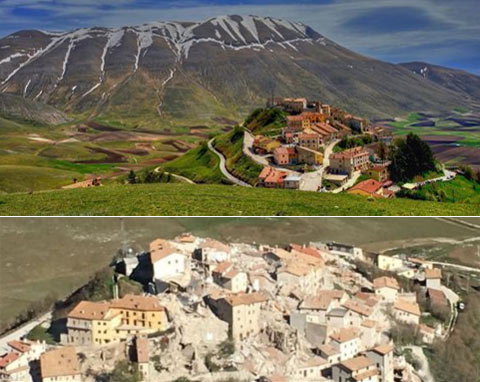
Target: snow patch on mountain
(26, 87)
(9, 58)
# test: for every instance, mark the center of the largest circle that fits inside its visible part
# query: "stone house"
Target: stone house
(242, 312)
(347, 341)
(382, 356)
(227, 276)
(59, 365)
(407, 311)
(168, 262)
(387, 288)
(433, 278)
(358, 369)
(349, 161)
(142, 357)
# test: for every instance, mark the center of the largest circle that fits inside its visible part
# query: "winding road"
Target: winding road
(223, 167)
(186, 180)
(22, 330)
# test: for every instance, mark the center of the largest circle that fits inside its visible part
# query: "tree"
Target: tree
(410, 157)
(132, 177)
(382, 150)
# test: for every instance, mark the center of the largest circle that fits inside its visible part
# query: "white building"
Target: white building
(167, 261)
(433, 278)
(407, 312)
(386, 288)
(347, 341)
(211, 250)
(19, 363)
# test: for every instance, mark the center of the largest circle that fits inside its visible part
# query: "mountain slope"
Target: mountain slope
(223, 66)
(20, 109)
(457, 80)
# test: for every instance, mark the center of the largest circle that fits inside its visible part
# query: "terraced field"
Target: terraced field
(454, 138)
(34, 158)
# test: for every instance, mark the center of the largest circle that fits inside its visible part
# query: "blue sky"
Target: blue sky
(444, 32)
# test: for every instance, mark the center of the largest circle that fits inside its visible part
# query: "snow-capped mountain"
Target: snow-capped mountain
(215, 67)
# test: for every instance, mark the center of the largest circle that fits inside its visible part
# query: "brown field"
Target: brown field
(43, 255)
(467, 155)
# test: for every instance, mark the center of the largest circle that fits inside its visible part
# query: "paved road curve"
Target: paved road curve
(223, 167)
(22, 330)
(186, 180)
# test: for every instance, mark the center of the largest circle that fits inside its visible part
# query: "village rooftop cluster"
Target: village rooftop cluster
(304, 155)
(245, 312)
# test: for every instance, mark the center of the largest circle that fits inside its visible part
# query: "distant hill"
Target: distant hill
(25, 110)
(456, 80)
(220, 67)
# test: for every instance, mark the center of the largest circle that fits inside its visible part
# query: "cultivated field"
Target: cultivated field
(50, 157)
(57, 255)
(454, 138)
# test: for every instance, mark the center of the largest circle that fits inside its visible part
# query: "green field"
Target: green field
(199, 165)
(183, 199)
(466, 136)
(29, 178)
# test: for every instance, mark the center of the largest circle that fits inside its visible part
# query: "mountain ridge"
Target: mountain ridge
(222, 66)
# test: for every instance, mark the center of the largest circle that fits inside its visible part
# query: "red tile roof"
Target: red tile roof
(370, 186)
(350, 153)
(141, 345)
(8, 358)
(20, 346)
(385, 282)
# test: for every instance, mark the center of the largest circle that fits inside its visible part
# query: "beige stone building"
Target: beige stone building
(407, 312)
(59, 365)
(349, 161)
(242, 312)
(229, 277)
(389, 263)
(142, 357)
(347, 341)
(100, 323)
(358, 369)
(386, 288)
(383, 357)
(433, 278)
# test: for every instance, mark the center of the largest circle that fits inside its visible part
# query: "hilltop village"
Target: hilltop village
(210, 311)
(323, 148)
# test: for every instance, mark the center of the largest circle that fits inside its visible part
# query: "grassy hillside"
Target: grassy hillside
(183, 199)
(459, 189)
(198, 164)
(266, 121)
(28, 178)
(231, 146)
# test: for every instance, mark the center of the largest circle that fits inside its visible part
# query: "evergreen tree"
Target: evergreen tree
(410, 157)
